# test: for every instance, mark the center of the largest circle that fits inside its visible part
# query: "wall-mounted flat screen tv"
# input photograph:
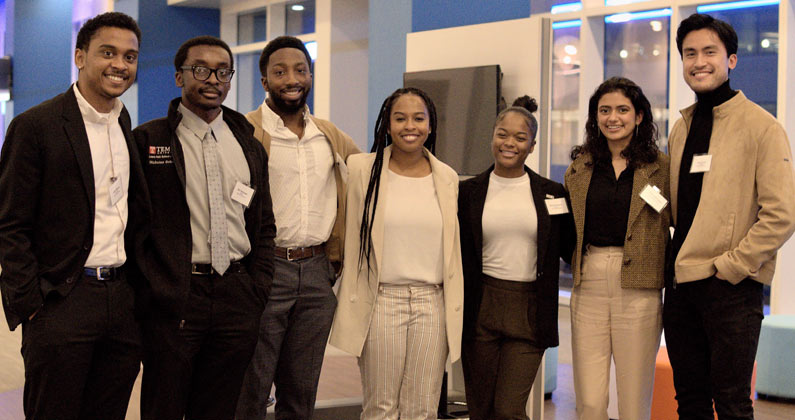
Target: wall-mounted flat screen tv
(467, 102)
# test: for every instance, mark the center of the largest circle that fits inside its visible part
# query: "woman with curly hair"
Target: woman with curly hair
(619, 258)
(401, 295)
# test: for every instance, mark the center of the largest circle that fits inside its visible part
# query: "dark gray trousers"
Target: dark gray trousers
(292, 340)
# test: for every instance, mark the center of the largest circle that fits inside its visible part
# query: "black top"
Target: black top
(697, 142)
(607, 206)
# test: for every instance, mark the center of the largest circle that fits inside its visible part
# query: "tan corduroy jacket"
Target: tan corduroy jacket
(747, 205)
(647, 231)
(341, 147)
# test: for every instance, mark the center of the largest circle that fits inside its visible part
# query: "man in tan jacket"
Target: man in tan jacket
(306, 165)
(733, 203)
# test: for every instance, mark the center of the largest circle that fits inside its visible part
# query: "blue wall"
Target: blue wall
(438, 14)
(390, 21)
(43, 51)
(164, 29)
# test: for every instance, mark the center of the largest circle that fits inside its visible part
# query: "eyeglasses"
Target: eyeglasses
(202, 73)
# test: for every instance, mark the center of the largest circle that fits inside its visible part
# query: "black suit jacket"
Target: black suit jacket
(165, 258)
(47, 204)
(555, 239)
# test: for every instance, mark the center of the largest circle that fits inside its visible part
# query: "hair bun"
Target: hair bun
(527, 103)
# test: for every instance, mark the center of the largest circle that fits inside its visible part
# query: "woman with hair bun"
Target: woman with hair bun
(515, 225)
(616, 180)
(401, 292)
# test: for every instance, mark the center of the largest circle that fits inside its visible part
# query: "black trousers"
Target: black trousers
(712, 331)
(500, 360)
(193, 367)
(82, 353)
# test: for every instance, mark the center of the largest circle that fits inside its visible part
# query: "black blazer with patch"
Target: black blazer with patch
(555, 239)
(47, 205)
(165, 259)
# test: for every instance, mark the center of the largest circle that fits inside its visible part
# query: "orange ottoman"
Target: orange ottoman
(663, 403)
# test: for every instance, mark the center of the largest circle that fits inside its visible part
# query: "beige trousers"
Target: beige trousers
(403, 358)
(607, 320)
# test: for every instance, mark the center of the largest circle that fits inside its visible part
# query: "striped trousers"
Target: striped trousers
(404, 355)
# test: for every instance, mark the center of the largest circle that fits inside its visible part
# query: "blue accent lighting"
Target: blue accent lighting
(735, 5)
(567, 7)
(566, 24)
(626, 17)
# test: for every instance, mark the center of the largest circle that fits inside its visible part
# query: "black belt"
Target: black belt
(102, 273)
(207, 269)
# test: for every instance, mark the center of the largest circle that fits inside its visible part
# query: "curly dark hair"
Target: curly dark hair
(278, 43)
(524, 106)
(110, 19)
(182, 52)
(643, 146)
(382, 140)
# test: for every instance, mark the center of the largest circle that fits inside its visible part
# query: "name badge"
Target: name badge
(116, 191)
(651, 195)
(701, 163)
(242, 193)
(556, 206)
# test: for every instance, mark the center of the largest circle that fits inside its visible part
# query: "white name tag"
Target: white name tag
(556, 206)
(701, 163)
(242, 193)
(651, 195)
(116, 191)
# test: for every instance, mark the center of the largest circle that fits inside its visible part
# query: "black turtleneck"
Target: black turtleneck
(697, 142)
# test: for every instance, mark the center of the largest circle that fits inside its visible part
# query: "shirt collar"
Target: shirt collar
(92, 115)
(271, 121)
(196, 125)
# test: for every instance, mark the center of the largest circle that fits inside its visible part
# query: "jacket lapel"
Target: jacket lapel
(544, 222)
(445, 193)
(639, 181)
(476, 211)
(76, 133)
(579, 181)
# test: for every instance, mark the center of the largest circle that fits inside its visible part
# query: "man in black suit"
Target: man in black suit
(70, 189)
(209, 259)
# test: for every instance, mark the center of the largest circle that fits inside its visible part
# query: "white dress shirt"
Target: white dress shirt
(110, 160)
(302, 183)
(234, 169)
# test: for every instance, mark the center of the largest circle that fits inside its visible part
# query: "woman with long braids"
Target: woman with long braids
(401, 295)
(515, 225)
(618, 183)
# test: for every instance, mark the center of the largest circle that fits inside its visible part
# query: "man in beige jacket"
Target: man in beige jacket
(733, 203)
(306, 166)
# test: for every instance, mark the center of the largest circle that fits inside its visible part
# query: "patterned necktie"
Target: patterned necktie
(219, 246)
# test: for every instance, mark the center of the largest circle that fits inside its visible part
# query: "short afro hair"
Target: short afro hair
(182, 52)
(277, 44)
(110, 19)
(698, 21)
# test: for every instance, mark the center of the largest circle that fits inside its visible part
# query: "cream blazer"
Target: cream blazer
(358, 291)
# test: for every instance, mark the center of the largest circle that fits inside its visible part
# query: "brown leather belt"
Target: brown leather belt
(295, 254)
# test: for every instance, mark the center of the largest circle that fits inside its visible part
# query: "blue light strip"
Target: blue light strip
(626, 17)
(567, 24)
(735, 5)
(567, 7)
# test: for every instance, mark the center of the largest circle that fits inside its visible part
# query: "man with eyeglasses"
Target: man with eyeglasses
(209, 257)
